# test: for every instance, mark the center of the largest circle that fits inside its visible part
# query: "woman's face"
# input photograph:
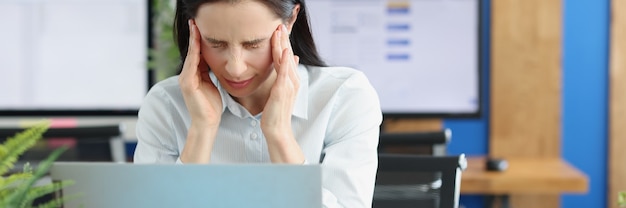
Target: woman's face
(235, 43)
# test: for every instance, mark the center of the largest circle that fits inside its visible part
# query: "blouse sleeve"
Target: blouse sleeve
(155, 134)
(350, 158)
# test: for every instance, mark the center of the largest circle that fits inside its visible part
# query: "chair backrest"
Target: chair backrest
(104, 131)
(398, 182)
(420, 143)
(88, 143)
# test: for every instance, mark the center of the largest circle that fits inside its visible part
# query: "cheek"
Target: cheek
(212, 58)
(261, 59)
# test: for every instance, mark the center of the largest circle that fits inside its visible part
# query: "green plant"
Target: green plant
(164, 55)
(621, 199)
(17, 190)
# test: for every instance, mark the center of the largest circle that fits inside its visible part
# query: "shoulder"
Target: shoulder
(337, 72)
(168, 84)
(165, 93)
(166, 87)
(340, 77)
(353, 103)
(342, 87)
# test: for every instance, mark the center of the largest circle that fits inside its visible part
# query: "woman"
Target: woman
(252, 89)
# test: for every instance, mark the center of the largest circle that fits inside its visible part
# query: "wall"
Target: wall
(585, 100)
(585, 107)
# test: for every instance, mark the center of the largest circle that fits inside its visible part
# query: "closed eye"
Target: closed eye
(254, 44)
(214, 43)
(218, 45)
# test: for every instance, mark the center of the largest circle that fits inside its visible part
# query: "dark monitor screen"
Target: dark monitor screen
(422, 56)
(73, 57)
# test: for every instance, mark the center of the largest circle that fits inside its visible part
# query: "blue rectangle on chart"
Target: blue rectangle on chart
(398, 10)
(398, 57)
(398, 42)
(398, 27)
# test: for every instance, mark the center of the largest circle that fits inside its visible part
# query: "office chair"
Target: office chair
(87, 134)
(432, 143)
(398, 182)
(420, 143)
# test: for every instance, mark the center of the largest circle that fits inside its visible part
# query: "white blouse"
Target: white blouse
(336, 122)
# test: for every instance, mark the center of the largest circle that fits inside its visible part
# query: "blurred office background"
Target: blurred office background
(583, 85)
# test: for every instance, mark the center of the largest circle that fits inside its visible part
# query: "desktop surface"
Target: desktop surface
(524, 176)
(170, 185)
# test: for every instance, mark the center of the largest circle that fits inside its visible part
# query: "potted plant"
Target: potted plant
(163, 54)
(18, 190)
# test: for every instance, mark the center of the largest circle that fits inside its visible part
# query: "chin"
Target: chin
(239, 93)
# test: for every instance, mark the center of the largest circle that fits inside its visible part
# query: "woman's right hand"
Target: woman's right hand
(201, 97)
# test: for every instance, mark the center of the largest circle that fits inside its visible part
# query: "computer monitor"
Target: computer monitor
(422, 56)
(73, 57)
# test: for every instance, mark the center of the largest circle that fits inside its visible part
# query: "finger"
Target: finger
(285, 37)
(276, 48)
(288, 57)
(285, 65)
(281, 75)
(192, 59)
(204, 72)
(293, 71)
(201, 66)
(192, 37)
(296, 60)
(195, 42)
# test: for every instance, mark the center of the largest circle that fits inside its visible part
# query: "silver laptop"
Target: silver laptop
(120, 185)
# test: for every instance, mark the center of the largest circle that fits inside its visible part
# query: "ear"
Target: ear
(294, 16)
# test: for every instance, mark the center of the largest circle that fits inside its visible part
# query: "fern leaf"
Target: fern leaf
(9, 183)
(5, 191)
(621, 199)
(18, 144)
(42, 169)
(39, 191)
(28, 134)
(57, 202)
(13, 179)
(3, 151)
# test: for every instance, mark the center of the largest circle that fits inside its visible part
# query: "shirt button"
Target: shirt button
(253, 136)
(253, 123)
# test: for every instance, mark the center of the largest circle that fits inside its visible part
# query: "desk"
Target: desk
(523, 176)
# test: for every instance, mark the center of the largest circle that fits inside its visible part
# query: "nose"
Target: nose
(235, 65)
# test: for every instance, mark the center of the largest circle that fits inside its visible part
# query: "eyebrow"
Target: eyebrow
(248, 42)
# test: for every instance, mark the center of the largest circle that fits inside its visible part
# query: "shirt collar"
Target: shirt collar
(301, 104)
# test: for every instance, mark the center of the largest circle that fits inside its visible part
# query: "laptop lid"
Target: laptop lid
(168, 185)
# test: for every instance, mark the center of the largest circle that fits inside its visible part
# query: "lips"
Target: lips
(239, 84)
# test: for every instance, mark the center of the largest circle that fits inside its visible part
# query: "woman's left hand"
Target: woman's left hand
(276, 119)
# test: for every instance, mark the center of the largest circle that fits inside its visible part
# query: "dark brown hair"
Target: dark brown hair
(301, 38)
